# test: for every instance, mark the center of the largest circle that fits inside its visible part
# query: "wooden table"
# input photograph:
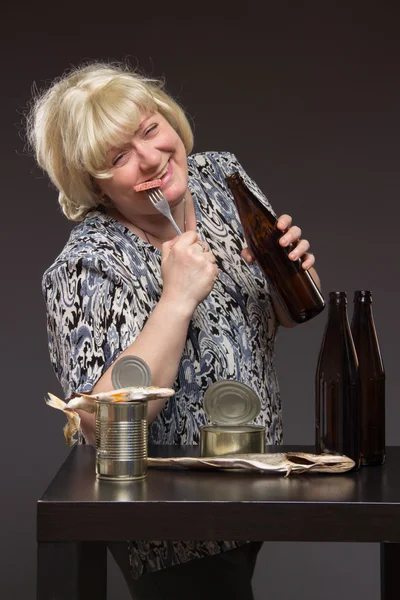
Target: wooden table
(78, 514)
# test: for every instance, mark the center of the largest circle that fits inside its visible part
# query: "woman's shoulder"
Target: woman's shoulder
(217, 159)
(211, 168)
(96, 243)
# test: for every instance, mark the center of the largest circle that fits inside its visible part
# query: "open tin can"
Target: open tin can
(121, 440)
(231, 406)
(121, 427)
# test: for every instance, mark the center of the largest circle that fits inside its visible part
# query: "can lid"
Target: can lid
(231, 403)
(130, 371)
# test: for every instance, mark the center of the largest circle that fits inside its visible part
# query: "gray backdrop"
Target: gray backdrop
(306, 94)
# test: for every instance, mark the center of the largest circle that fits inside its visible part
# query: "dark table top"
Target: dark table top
(177, 504)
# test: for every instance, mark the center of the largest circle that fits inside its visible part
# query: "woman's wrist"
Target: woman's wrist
(177, 308)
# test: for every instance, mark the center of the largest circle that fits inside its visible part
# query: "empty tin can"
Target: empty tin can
(121, 440)
(230, 406)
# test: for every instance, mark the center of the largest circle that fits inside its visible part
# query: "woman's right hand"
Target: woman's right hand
(188, 269)
(189, 274)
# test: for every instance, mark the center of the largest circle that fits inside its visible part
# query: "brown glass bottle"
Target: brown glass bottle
(372, 380)
(293, 286)
(337, 401)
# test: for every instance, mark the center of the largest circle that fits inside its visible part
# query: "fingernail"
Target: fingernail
(293, 255)
(284, 241)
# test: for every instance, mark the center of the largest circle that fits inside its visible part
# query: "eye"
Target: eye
(119, 158)
(151, 129)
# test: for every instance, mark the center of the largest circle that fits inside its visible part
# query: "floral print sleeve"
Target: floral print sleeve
(98, 297)
(90, 326)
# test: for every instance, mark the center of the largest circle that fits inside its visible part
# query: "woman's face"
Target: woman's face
(155, 151)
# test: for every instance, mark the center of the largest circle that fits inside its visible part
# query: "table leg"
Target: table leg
(390, 564)
(71, 571)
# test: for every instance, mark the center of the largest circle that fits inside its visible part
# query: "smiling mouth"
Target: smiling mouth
(163, 172)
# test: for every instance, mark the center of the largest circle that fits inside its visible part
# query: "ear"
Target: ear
(102, 196)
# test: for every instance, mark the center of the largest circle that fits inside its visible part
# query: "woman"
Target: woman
(193, 306)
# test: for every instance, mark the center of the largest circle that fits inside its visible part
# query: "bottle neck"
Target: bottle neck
(362, 297)
(365, 338)
(362, 310)
(338, 321)
(248, 205)
(337, 345)
(337, 307)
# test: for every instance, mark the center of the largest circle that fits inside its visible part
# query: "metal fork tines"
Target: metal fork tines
(160, 202)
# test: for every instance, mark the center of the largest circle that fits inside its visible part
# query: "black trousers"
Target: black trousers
(224, 575)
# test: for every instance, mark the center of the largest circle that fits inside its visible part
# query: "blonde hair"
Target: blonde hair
(72, 125)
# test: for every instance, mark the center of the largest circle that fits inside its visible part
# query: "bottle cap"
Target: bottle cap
(231, 403)
(130, 371)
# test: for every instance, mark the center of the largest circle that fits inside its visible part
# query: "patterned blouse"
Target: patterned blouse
(103, 286)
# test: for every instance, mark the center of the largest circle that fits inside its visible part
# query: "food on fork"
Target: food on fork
(147, 185)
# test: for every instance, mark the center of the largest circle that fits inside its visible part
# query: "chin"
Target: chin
(175, 194)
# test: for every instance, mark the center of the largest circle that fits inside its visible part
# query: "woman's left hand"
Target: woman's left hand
(292, 235)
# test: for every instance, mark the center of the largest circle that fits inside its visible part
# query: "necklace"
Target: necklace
(184, 223)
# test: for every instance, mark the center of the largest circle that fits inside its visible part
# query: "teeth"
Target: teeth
(162, 172)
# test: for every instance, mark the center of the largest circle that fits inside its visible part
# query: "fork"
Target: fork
(160, 202)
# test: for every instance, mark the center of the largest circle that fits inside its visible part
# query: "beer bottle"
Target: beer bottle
(372, 380)
(337, 414)
(294, 287)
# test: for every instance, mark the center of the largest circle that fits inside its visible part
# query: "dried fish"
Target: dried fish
(130, 394)
(87, 402)
(73, 419)
(279, 462)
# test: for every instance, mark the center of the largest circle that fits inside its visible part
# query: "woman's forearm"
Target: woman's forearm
(189, 272)
(160, 344)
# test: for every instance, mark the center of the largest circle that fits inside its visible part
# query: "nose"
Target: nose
(149, 158)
